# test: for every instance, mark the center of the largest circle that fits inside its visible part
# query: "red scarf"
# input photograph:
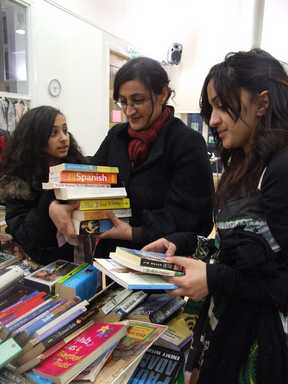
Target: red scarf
(140, 143)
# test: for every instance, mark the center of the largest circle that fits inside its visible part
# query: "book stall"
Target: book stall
(94, 321)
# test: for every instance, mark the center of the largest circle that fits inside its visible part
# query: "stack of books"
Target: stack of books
(95, 187)
(137, 269)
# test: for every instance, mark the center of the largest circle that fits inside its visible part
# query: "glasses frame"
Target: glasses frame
(132, 104)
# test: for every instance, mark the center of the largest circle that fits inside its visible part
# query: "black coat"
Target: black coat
(28, 220)
(171, 191)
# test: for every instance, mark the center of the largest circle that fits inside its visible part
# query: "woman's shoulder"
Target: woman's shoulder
(278, 164)
(14, 188)
(275, 176)
(181, 132)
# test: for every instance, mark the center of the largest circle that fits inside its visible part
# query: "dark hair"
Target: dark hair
(254, 71)
(147, 71)
(26, 153)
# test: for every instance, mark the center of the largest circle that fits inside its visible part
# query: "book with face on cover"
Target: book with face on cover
(46, 277)
(132, 279)
(140, 336)
(77, 355)
(147, 262)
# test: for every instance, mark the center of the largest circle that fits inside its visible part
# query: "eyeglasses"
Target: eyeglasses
(123, 104)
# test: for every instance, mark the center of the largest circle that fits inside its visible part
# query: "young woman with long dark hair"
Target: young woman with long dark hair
(241, 334)
(41, 139)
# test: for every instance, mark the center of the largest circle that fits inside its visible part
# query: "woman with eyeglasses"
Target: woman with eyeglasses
(163, 164)
(242, 332)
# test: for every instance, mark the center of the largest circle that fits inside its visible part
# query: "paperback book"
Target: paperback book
(140, 336)
(80, 177)
(78, 193)
(132, 279)
(6, 259)
(46, 277)
(78, 354)
(100, 214)
(157, 308)
(158, 365)
(147, 262)
(93, 204)
(83, 168)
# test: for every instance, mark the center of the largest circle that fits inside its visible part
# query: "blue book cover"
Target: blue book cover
(30, 316)
(43, 319)
(132, 279)
(84, 283)
(37, 379)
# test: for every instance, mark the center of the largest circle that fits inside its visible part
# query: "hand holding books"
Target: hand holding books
(161, 245)
(194, 283)
(120, 230)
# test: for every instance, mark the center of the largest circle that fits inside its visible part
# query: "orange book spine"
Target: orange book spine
(86, 177)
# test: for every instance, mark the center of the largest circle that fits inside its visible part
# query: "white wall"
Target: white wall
(275, 28)
(70, 42)
(207, 29)
(77, 53)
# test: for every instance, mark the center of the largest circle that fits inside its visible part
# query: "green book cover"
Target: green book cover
(72, 273)
(9, 349)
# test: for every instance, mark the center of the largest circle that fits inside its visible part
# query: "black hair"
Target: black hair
(254, 71)
(26, 153)
(147, 71)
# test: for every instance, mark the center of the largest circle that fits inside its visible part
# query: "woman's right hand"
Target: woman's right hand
(61, 215)
(161, 245)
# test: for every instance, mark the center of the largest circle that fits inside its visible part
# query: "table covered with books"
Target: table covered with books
(55, 331)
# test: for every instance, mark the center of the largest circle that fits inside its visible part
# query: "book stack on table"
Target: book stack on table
(95, 188)
(50, 338)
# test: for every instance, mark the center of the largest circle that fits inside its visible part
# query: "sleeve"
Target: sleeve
(275, 199)
(188, 203)
(29, 223)
(253, 273)
(185, 242)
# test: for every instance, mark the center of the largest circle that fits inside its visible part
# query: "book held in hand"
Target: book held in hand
(78, 354)
(132, 279)
(77, 193)
(83, 168)
(147, 262)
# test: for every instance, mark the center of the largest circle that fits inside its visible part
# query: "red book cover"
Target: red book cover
(80, 352)
(23, 307)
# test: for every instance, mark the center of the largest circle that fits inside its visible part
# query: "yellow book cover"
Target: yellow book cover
(91, 205)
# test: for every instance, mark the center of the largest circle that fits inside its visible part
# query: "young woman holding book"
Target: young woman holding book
(163, 164)
(40, 139)
(241, 334)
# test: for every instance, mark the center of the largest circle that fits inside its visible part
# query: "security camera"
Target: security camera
(174, 53)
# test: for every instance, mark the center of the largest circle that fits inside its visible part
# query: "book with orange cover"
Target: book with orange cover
(78, 354)
(84, 177)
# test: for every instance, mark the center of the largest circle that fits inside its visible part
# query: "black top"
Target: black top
(171, 191)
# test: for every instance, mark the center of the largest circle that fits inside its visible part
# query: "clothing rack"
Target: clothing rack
(11, 111)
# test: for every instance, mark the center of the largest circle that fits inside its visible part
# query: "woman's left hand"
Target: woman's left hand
(194, 282)
(120, 231)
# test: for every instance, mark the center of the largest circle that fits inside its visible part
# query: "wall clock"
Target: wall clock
(54, 87)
